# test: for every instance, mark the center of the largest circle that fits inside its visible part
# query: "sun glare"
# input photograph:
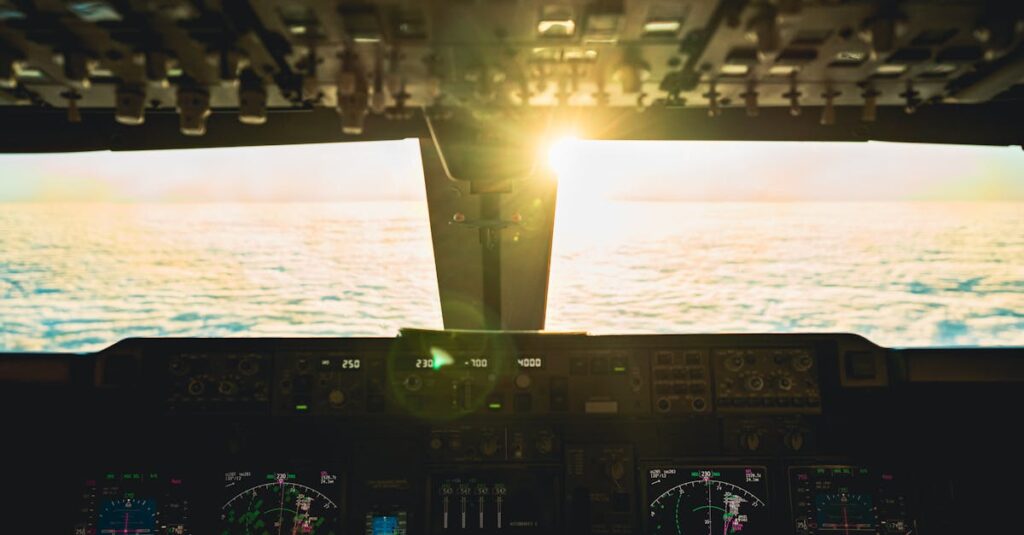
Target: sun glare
(561, 152)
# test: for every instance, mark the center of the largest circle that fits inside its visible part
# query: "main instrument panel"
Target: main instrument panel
(437, 433)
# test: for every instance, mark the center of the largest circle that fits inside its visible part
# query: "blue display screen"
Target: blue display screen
(384, 525)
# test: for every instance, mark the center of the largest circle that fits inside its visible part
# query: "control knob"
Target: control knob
(336, 397)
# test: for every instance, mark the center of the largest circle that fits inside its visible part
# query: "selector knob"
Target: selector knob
(617, 470)
(794, 440)
(755, 383)
(412, 383)
(336, 397)
(227, 388)
(785, 383)
(489, 446)
(750, 441)
(196, 387)
(248, 366)
(734, 363)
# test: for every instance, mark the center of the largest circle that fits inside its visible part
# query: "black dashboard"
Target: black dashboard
(487, 432)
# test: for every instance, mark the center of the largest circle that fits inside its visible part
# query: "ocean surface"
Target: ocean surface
(77, 277)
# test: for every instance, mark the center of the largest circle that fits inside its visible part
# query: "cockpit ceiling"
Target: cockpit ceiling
(492, 57)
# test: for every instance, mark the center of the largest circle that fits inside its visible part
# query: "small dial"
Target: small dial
(714, 500)
(279, 503)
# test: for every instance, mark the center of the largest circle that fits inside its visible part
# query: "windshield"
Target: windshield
(908, 245)
(905, 244)
(311, 240)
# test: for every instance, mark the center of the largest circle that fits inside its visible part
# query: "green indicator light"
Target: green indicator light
(440, 358)
(494, 406)
(694, 474)
(716, 474)
(302, 407)
(619, 369)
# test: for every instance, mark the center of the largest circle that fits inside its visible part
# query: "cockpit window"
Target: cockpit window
(308, 240)
(908, 245)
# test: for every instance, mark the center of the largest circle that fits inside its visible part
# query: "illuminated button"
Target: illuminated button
(619, 364)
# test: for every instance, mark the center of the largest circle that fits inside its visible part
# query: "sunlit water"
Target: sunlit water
(80, 276)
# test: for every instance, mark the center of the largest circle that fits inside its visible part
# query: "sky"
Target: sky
(627, 170)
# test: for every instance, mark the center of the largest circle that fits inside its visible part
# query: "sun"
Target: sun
(562, 153)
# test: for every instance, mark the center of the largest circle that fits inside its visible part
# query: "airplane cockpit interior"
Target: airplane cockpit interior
(588, 267)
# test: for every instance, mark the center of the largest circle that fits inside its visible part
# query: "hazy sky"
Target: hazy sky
(668, 170)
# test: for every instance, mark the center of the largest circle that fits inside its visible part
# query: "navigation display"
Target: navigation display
(689, 499)
(297, 502)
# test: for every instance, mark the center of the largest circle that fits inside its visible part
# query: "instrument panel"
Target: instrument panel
(438, 434)
(679, 497)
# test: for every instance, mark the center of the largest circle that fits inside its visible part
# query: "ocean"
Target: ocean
(80, 276)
